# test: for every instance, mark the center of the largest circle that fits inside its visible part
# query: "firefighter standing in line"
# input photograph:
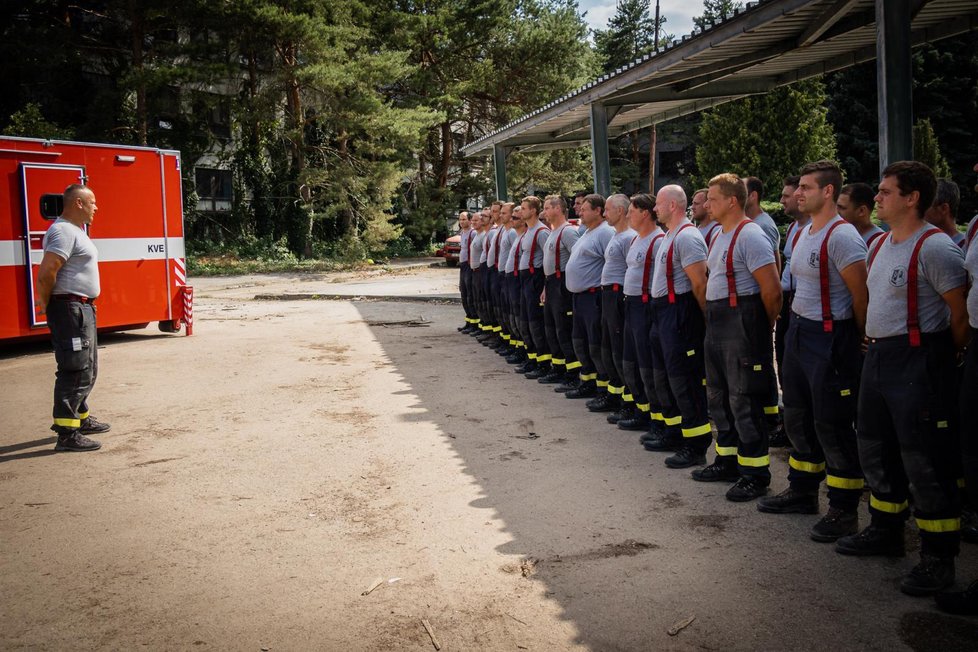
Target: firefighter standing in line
(495, 339)
(558, 313)
(821, 360)
(489, 324)
(613, 307)
(518, 356)
(465, 273)
(637, 351)
(916, 322)
(678, 301)
(743, 299)
(476, 240)
(799, 221)
(506, 242)
(531, 286)
(583, 276)
(701, 217)
(66, 289)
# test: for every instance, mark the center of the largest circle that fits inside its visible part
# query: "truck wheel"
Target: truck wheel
(451, 263)
(171, 326)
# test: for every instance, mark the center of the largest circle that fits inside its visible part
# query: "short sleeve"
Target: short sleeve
(943, 264)
(756, 250)
(57, 241)
(847, 249)
(692, 249)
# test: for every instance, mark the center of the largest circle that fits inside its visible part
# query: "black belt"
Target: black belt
(72, 297)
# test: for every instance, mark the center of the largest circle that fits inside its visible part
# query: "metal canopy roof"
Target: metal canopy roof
(768, 44)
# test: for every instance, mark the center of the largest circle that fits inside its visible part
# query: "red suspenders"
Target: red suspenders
(669, 275)
(559, 234)
(498, 236)
(731, 278)
(533, 245)
(971, 234)
(648, 267)
(913, 321)
(516, 258)
(872, 238)
(823, 277)
(711, 234)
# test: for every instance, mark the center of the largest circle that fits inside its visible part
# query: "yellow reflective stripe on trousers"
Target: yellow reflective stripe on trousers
(807, 467)
(886, 506)
(844, 483)
(83, 415)
(764, 460)
(771, 409)
(697, 431)
(532, 356)
(571, 366)
(587, 377)
(560, 362)
(939, 525)
(602, 383)
(673, 421)
(726, 451)
(617, 391)
(68, 423)
(628, 398)
(644, 407)
(656, 416)
(544, 358)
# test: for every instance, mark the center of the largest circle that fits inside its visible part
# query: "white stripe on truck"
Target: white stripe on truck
(109, 250)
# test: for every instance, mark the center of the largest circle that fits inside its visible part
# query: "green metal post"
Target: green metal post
(894, 81)
(499, 163)
(599, 149)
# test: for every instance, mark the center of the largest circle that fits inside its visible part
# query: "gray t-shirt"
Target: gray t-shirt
(490, 246)
(614, 258)
(787, 282)
(971, 234)
(512, 260)
(871, 233)
(79, 274)
(845, 248)
(971, 265)
(539, 233)
(959, 239)
(709, 231)
(688, 247)
(586, 261)
(505, 248)
(770, 229)
(568, 236)
(463, 243)
(752, 251)
(940, 269)
(477, 255)
(636, 262)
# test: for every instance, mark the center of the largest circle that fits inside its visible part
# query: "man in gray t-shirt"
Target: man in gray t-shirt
(820, 374)
(67, 286)
(915, 323)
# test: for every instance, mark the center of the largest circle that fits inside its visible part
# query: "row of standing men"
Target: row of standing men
(670, 329)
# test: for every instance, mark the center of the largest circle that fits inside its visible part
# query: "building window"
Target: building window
(214, 189)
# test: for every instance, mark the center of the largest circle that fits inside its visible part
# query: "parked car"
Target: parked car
(450, 250)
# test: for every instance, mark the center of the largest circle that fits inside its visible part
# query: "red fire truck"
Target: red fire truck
(138, 231)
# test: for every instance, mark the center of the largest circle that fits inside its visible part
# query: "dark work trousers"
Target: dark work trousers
(613, 339)
(465, 289)
(781, 333)
(637, 356)
(513, 288)
(663, 402)
(476, 294)
(681, 332)
(558, 324)
(969, 421)
(495, 310)
(75, 340)
(821, 386)
(906, 442)
(587, 336)
(503, 307)
(739, 356)
(486, 276)
(531, 286)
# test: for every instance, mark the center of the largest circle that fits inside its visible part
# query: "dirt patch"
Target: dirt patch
(716, 522)
(162, 460)
(925, 631)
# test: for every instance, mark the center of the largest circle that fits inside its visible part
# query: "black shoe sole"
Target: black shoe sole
(921, 592)
(661, 447)
(65, 449)
(718, 478)
(826, 538)
(685, 464)
(743, 498)
(858, 552)
(801, 509)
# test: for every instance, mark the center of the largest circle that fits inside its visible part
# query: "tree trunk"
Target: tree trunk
(652, 146)
(137, 27)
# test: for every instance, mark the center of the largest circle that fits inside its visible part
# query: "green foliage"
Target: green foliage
(30, 122)
(562, 171)
(927, 150)
(769, 136)
(630, 34)
(853, 115)
(716, 11)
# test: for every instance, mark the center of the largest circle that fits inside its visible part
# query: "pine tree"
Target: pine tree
(715, 11)
(769, 136)
(927, 150)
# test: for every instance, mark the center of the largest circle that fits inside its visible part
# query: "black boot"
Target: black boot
(748, 487)
(626, 411)
(661, 438)
(639, 420)
(540, 371)
(959, 603)
(874, 540)
(585, 390)
(837, 523)
(686, 457)
(551, 378)
(571, 381)
(790, 501)
(527, 366)
(723, 469)
(932, 575)
(603, 403)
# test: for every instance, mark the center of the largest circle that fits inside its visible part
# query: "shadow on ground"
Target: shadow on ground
(629, 549)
